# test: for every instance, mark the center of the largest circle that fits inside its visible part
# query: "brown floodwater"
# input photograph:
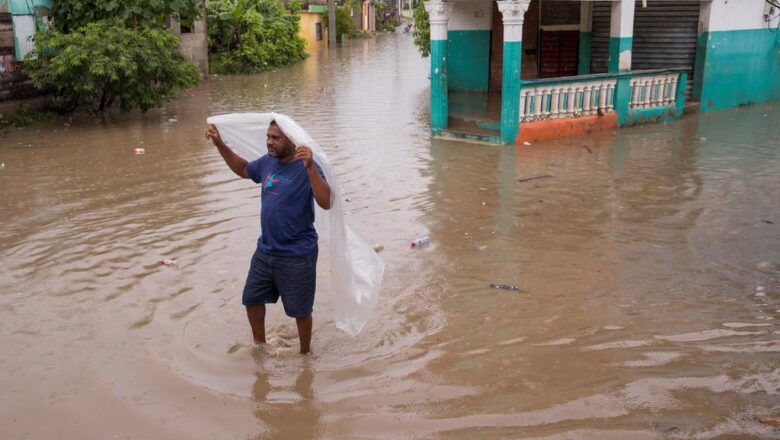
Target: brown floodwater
(648, 266)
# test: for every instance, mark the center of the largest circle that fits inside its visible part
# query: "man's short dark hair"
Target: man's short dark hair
(273, 123)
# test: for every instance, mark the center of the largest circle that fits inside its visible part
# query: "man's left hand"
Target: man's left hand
(304, 153)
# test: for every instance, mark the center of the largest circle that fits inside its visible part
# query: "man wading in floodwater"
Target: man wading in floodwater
(285, 262)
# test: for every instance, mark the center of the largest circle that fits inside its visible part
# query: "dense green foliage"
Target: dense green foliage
(345, 25)
(422, 30)
(248, 36)
(73, 14)
(104, 64)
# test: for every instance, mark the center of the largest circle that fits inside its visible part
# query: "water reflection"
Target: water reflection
(287, 411)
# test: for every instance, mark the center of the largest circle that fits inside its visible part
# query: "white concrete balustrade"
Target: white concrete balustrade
(653, 91)
(567, 100)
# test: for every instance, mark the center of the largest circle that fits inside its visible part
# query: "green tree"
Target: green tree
(107, 64)
(252, 35)
(422, 30)
(345, 25)
(73, 14)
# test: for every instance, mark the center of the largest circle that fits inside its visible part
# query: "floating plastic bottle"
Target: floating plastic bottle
(420, 242)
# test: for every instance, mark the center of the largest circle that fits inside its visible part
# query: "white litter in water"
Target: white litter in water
(356, 269)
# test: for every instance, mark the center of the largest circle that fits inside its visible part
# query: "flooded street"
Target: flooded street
(648, 266)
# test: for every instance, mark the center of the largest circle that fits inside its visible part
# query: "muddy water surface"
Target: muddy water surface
(648, 266)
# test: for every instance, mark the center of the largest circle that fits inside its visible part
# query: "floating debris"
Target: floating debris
(139, 151)
(420, 242)
(168, 262)
(505, 287)
(541, 176)
(774, 422)
(587, 148)
(481, 248)
(526, 143)
(378, 248)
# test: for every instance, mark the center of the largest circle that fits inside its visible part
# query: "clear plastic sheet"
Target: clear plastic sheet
(356, 270)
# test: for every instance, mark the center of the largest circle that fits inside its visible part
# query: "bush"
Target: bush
(104, 64)
(247, 36)
(345, 24)
(422, 30)
(24, 115)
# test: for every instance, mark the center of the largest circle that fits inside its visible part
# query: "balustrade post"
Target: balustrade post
(586, 100)
(545, 108)
(634, 93)
(682, 84)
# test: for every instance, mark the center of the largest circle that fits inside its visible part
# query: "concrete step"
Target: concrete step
(488, 137)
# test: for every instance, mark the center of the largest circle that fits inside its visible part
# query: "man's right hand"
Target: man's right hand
(213, 134)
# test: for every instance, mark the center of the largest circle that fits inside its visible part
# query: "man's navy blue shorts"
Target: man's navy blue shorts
(292, 278)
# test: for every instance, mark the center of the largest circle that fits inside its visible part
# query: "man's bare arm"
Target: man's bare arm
(319, 186)
(233, 160)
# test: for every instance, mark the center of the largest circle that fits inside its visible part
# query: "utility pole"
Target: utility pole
(332, 24)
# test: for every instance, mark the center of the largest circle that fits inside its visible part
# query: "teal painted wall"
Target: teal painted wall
(737, 68)
(583, 57)
(616, 46)
(469, 60)
(698, 66)
(438, 86)
(510, 91)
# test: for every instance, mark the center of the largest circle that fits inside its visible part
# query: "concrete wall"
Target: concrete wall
(194, 45)
(308, 30)
(738, 55)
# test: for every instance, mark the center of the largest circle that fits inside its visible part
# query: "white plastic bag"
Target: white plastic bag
(356, 270)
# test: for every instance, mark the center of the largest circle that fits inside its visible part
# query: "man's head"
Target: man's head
(279, 146)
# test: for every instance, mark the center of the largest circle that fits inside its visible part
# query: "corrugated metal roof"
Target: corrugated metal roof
(24, 7)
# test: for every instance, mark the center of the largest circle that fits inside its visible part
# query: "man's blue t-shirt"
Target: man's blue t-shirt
(287, 206)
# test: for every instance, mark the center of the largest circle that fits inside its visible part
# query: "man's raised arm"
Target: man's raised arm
(233, 160)
(319, 186)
